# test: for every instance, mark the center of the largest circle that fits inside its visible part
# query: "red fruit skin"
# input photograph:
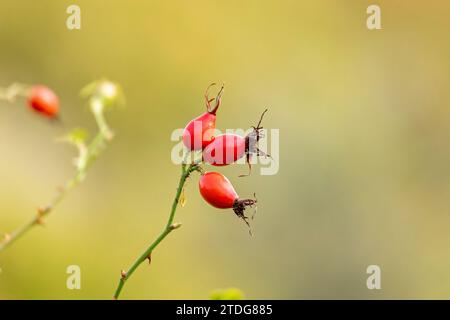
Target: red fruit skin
(43, 100)
(217, 190)
(199, 132)
(224, 150)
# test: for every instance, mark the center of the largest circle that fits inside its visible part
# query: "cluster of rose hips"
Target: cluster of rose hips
(198, 135)
(221, 150)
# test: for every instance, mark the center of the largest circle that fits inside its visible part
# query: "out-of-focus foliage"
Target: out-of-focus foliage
(364, 134)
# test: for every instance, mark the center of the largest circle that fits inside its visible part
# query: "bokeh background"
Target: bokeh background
(364, 140)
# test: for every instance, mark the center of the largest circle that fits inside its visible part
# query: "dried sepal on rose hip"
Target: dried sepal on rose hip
(199, 132)
(228, 148)
(218, 191)
(44, 101)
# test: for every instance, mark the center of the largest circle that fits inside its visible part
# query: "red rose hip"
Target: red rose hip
(225, 149)
(44, 101)
(228, 148)
(199, 132)
(218, 191)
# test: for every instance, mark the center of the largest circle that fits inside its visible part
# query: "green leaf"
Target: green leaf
(77, 136)
(89, 89)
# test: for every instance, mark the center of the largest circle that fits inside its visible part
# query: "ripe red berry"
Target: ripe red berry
(225, 149)
(218, 191)
(199, 132)
(44, 100)
(228, 148)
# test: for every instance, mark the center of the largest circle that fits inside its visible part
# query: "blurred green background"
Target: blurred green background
(364, 165)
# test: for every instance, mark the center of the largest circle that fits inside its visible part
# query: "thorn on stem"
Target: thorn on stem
(43, 210)
(40, 221)
(123, 274)
(6, 237)
(109, 135)
(149, 258)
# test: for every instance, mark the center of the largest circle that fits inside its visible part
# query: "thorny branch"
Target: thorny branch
(99, 100)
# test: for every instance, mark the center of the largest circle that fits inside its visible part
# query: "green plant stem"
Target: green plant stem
(170, 226)
(94, 149)
(38, 219)
(102, 124)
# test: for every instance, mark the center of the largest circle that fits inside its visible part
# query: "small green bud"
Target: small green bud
(108, 92)
(103, 92)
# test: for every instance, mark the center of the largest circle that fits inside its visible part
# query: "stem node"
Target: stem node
(42, 211)
(175, 226)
